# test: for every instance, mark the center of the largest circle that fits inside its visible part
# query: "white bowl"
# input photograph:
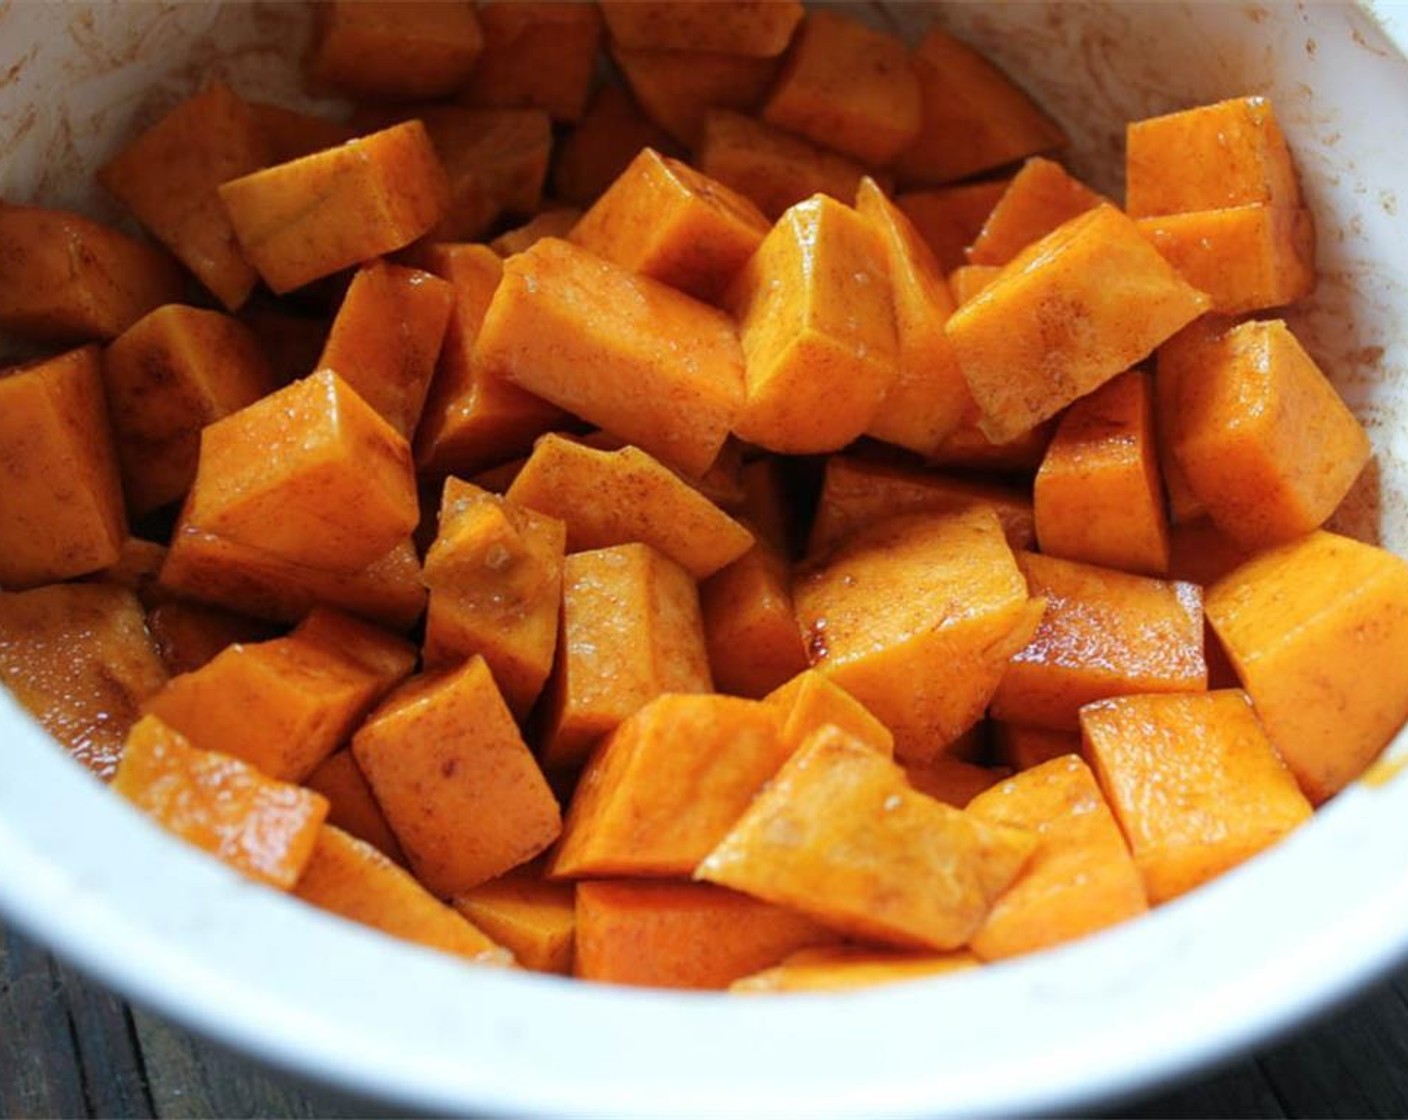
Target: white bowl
(1249, 955)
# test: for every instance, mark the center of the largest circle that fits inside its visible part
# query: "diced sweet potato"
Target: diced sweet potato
(386, 658)
(352, 879)
(608, 498)
(840, 835)
(952, 780)
(558, 222)
(1194, 783)
(665, 220)
(676, 89)
(1104, 633)
(1228, 154)
(1080, 878)
(847, 87)
(612, 130)
(774, 168)
(1264, 440)
(817, 323)
(189, 635)
(1189, 348)
(1201, 553)
(300, 221)
(61, 511)
(167, 377)
(631, 631)
(765, 507)
(749, 626)
(386, 339)
(950, 218)
(968, 280)
(1098, 496)
(829, 968)
(929, 396)
(760, 28)
(534, 919)
(458, 785)
(495, 578)
(1070, 311)
(263, 828)
(537, 55)
(681, 935)
(351, 804)
(395, 49)
(473, 418)
(1317, 630)
(1040, 197)
(282, 705)
(659, 369)
(810, 701)
(79, 658)
(1023, 748)
(973, 117)
(309, 473)
(856, 493)
(289, 134)
(968, 448)
(68, 279)
(169, 179)
(916, 617)
(1246, 258)
(666, 786)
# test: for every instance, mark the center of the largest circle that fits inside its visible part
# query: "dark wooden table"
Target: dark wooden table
(70, 1048)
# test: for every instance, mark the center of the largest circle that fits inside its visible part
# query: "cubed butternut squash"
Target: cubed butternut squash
(557, 222)
(968, 280)
(760, 28)
(811, 701)
(394, 49)
(1022, 747)
(837, 968)
(612, 130)
(1194, 782)
(950, 218)
(536, 920)
(953, 780)
(351, 805)
(676, 89)
(537, 55)
(1040, 197)
(61, 508)
(290, 134)
(189, 635)
(750, 630)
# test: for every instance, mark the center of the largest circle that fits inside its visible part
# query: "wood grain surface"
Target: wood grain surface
(70, 1048)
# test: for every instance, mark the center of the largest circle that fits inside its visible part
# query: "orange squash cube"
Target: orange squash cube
(1098, 496)
(386, 339)
(759, 28)
(537, 55)
(1263, 438)
(848, 88)
(1070, 311)
(1199, 552)
(61, 511)
(558, 222)
(612, 130)
(750, 630)
(973, 117)
(967, 448)
(608, 498)
(458, 785)
(916, 617)
(309, 473)
(817, 323)
(189, 635)
(1040, 197)
(289, 134)
(1317, 630)
(1189, 348)
(1194, 782)
(953, 780)
(386, 658)
(534, 919)
(665, 220)
(495, 577)
(774, 168)
(837, 968)
(950, 218)
(662, 370)
(968, 280)
(169, 178)
(810, 701)
(681, 935)
(1215, 156)
(1023, 748)
(856, 493)
(676, 89)
(394, 49)
(167, 377)
(300, 221)
(473, 419)
(1081, 877)
(765, 506)
(351, 805)
(666, 786)
(839, 834)
(1104, 633)
(631, 631)
(261, 827)
(79, 659)
(929, 397)
(67, 278)
(1246, 258)
(353, 880)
